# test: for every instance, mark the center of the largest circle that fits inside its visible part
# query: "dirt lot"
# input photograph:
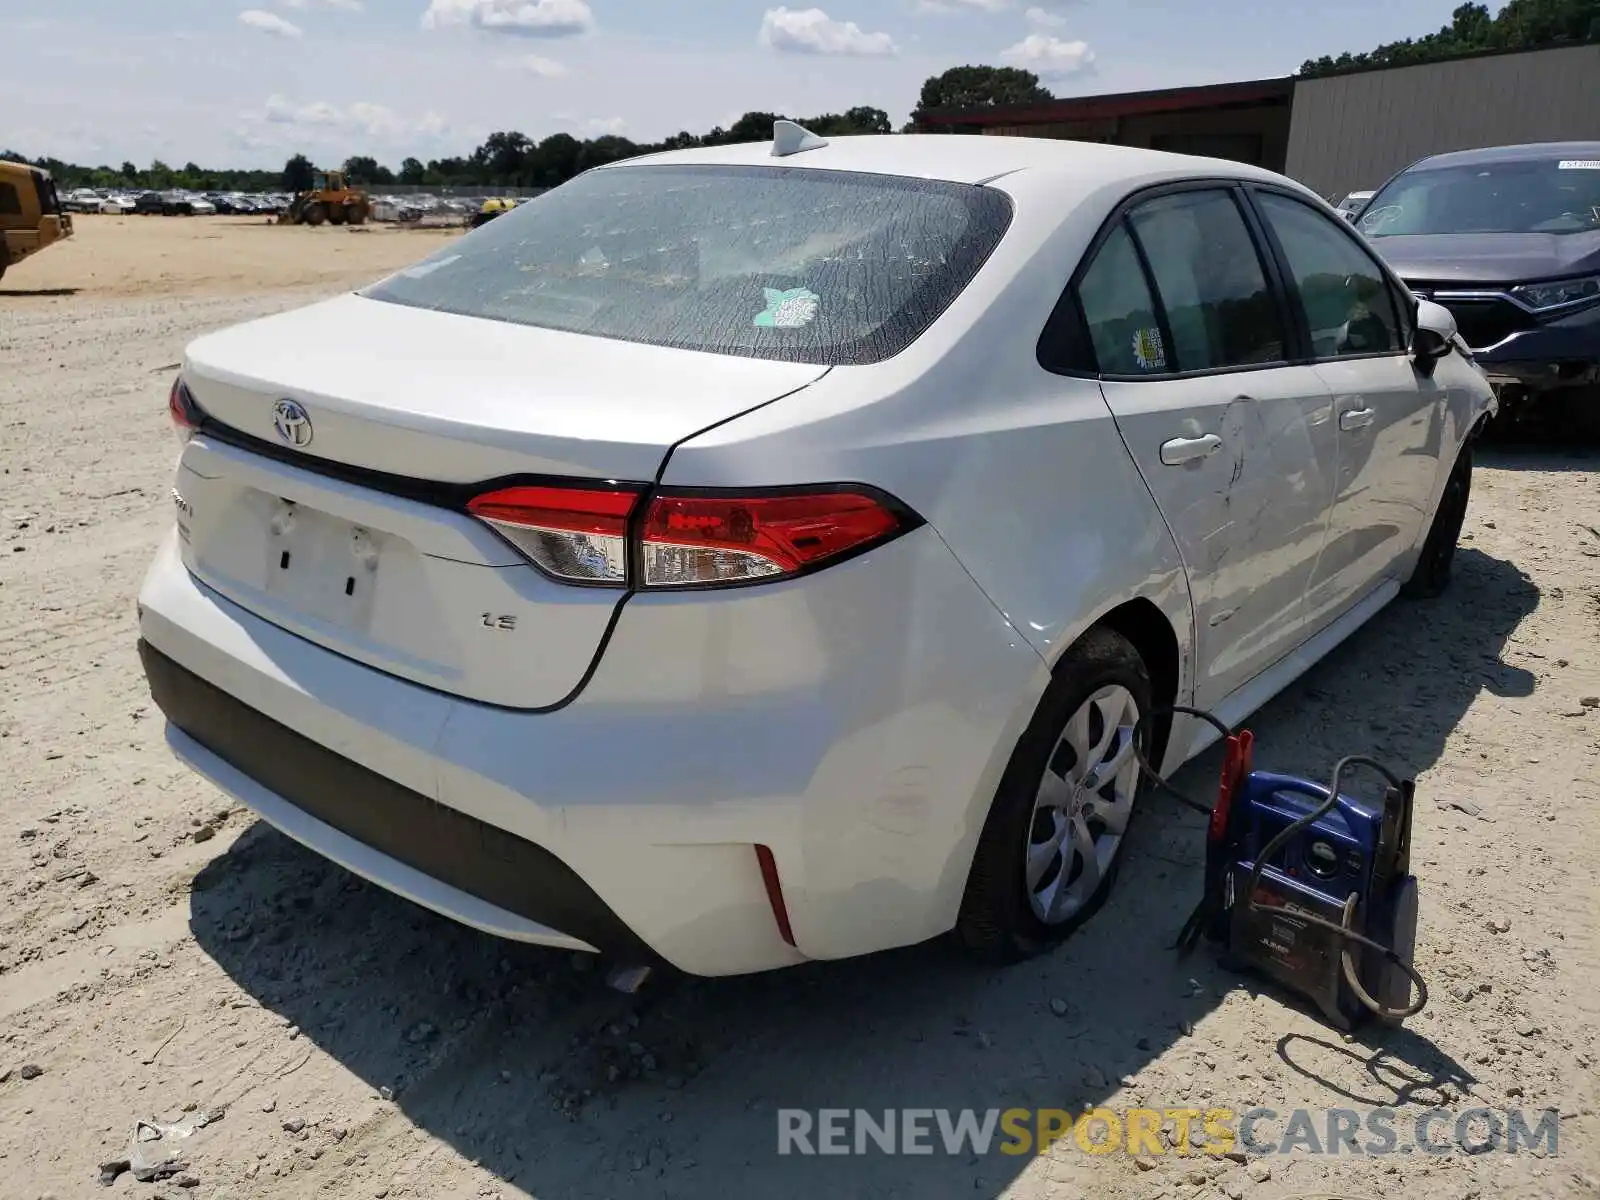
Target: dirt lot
(160, 951)
(134, 257)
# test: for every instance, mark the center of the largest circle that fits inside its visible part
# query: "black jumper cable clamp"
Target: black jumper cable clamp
(1305, 885)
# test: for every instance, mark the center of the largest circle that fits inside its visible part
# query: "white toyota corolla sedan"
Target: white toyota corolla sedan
(763, 553)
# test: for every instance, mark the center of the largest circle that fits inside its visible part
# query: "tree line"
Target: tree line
(511, 159)
(1520, 25)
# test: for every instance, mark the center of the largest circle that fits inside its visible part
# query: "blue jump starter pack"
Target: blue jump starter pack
(1312, 888)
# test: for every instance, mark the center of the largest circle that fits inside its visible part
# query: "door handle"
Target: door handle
(1356, 418)
(1183, 450)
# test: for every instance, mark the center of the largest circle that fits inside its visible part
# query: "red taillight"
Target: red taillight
(579, 535)
(698, 539)
(185, 413)
(687, 539)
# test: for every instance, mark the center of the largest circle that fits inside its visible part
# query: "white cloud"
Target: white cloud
(1050, 56)
(812, 31)
(347, 5)
(534, 64)
(612, 125)
(524, 18)
(950, 6)
(271, 23)
(1043, 18)
(374, 121)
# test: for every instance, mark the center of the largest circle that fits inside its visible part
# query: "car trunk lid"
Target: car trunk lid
(341, 517)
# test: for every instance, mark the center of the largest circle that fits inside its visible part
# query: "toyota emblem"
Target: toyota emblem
(292, 422)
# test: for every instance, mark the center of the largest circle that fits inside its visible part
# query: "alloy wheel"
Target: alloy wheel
(1083, 805)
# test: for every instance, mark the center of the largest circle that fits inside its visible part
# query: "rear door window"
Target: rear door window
(789, 263)
(1213, 287)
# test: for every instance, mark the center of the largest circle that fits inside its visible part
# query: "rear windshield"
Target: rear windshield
(766, 262)
(1549, 196)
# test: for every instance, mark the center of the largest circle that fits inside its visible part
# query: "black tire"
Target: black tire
(1434, 566)
(316, 214)
(997, 922)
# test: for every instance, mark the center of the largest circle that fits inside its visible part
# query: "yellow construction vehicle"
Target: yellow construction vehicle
(330, 199)
(30, 213)
(493, 207)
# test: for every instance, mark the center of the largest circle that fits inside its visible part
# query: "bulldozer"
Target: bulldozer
(31, 216)
(331, 199)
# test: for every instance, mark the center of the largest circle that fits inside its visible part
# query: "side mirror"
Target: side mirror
(1435, 335)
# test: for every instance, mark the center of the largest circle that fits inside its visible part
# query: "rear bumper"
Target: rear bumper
(855, 722)
(339, 809)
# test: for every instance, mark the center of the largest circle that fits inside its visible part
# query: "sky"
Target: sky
(249, 82)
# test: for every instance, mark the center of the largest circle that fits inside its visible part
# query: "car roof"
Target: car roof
(1527, 152)
(959, 158)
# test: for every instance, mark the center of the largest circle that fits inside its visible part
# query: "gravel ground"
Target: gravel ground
(161, 952)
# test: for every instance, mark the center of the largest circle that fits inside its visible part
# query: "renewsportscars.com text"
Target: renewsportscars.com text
(1213, 1131)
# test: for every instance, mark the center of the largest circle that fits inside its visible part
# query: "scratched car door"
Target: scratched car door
(1236, 445)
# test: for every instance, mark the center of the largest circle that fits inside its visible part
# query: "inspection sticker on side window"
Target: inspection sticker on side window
(1579, 164)
(788, 309)
(1148, 351)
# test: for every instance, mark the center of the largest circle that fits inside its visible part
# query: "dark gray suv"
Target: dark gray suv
(1508, 239)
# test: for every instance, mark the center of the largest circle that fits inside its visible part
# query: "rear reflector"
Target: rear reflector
(687, 539)
(774, 886)
(577, 535)
(696, 540)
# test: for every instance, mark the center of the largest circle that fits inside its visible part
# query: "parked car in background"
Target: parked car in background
(1508, 239)
(118, 205)
(81, 200)
(199, 206)
(614, 616)
(1350, 207)
(166, 204)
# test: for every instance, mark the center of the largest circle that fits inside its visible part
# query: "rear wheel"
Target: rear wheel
(1434, 566)
(336, 214)
(1050, 849)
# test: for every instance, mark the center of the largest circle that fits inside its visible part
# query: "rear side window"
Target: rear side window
(10, 202)
(1219, 309)
(787, 263)
(45, 186)
(1119, 312)
(1348, 305)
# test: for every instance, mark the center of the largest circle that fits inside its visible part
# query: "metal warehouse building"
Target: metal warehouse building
(1336, 133)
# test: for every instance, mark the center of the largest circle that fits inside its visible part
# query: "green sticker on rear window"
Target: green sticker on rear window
(788, 310)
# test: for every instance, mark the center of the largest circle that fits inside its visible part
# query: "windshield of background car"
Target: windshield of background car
(795, 264)
(1549, 196)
